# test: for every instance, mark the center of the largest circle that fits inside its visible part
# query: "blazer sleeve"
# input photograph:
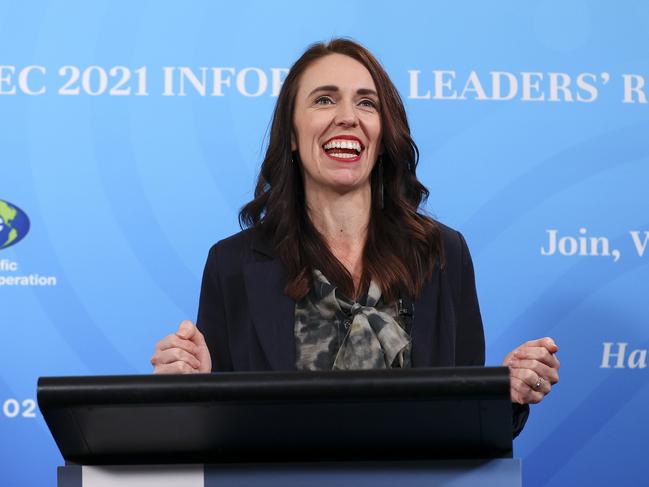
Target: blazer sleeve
(470, 345)
(469, 339)
(211, 319)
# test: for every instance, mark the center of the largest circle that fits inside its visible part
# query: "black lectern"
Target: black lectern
(413, 426)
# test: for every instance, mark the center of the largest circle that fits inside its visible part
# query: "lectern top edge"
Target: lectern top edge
(368, 384)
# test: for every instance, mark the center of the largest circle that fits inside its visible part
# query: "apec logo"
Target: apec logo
(14, 224)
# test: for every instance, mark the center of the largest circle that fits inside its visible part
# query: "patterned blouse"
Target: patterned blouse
(335, 333)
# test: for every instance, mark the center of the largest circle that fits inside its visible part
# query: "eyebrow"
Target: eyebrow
(360, 91)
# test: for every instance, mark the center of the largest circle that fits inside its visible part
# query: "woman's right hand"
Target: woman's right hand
(183, 352)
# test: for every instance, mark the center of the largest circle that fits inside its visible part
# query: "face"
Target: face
(337, 124)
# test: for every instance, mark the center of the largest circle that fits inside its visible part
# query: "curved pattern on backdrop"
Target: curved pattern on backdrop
(132, 134)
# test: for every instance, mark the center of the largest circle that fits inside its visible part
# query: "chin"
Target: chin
(345, 186)
(341, 180)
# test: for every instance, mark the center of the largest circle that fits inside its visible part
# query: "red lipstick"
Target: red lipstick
(346, 153)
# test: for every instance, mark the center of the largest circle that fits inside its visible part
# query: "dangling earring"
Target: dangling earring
(380, 183)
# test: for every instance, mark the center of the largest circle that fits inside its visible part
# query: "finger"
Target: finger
(527, 376)
(519, 391)
(531, 378)
(172, 355)
(522, 394)
(186, 330)
(175, 368)
(537, 353)
(198, 338)
(174, 341)
(189, 331)
(546, 342)
(540, 368)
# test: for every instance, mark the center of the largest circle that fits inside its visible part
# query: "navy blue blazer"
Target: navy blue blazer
(248, 321)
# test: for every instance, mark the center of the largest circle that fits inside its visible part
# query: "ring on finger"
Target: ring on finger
(539, 383)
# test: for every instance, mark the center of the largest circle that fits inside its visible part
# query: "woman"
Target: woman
(337, 268)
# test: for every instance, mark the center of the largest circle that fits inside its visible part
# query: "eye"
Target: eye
(323, 100)
(367, 103)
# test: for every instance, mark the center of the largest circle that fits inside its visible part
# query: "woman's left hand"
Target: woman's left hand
(533, 370)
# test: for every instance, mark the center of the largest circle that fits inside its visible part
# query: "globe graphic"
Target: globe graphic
(8, 232)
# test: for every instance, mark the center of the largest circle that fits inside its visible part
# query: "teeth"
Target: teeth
(343, 144)
(343, 155)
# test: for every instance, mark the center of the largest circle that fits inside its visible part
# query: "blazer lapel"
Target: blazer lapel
(272, 312)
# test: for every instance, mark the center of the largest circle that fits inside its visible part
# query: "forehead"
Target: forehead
(337, 70)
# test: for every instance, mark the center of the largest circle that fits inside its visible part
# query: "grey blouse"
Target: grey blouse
(334, 332)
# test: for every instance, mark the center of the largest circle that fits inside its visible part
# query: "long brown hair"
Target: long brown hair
(402, 245)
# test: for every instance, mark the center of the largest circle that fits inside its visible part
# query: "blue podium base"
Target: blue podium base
(447, 473)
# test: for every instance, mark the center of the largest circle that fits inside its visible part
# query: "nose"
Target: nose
(345, 115)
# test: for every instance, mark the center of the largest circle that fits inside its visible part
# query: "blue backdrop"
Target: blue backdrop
(131, 134)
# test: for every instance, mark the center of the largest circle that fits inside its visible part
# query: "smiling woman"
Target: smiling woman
(356, 217)
(337, 267)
